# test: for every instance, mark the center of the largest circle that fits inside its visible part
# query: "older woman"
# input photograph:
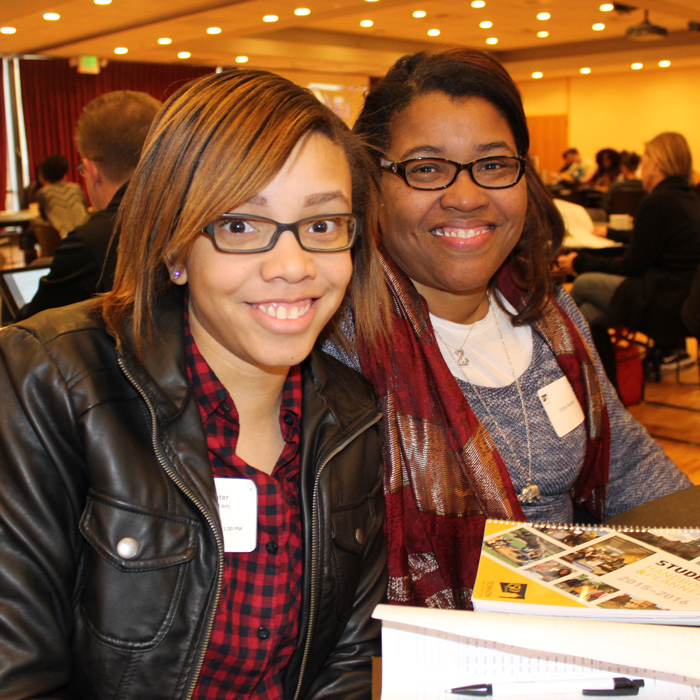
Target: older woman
(645, 288)
(494, 403)
(191, 506)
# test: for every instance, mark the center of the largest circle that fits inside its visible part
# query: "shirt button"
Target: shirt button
(288, 420)
(263, 632)
(127, 548)
(271, 547)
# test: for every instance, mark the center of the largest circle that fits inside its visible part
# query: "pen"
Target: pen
(600, 687)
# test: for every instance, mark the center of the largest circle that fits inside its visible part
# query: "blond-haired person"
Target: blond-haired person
(192, 502)
(645, 288)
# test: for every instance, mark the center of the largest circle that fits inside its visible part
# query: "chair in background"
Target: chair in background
(47, 237)
(623, 201)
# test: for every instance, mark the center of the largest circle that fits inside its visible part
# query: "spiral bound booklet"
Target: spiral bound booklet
(596, 572)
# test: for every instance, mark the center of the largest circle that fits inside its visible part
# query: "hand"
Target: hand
(566, 263)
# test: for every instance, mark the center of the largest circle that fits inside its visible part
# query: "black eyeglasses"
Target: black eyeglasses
(240, 233)
(492, 173)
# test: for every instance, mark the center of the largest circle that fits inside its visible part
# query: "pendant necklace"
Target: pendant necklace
(531, 491)
(458, 353)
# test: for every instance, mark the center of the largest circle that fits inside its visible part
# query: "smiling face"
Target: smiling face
(451, 242)
(264, 311)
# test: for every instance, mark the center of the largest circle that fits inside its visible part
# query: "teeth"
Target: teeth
(284, 312)
(459, 232)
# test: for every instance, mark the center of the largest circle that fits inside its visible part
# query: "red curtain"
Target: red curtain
(53, 95)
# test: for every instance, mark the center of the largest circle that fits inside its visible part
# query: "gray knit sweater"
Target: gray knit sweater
(639, 470)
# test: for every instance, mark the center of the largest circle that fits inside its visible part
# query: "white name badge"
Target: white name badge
(562, 407)
(238, 510)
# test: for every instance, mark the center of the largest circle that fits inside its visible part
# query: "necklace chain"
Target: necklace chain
(460, 358)
(530, 492)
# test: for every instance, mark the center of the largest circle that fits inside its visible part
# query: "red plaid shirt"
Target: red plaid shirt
(256, 624)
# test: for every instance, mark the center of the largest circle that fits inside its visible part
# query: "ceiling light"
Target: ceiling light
(486, 24)
(371, 0)
(7, 30)
(270, 18)
(121, 50)
(302, 11)
(543, 15)
(478, 3)
(664, 64)
(213, 30)
(637, 66)
(184, 54)
(165, 40)
(543, 34)
(585, 71)
(419, 13)
(598, 27)
(492, 40)
(366, 23)
(537, 74)
(607, 7)
(102, 2)
(433, 32)
(241, 59)
(51, 16)
(646, 31)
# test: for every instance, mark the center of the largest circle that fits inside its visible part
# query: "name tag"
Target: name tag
(238, 510)
(561, 405)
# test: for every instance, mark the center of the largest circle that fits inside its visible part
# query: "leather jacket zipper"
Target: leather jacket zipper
(314, 541)
(183, 487)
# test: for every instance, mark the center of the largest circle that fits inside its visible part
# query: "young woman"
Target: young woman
(192, 502)
(494, 403)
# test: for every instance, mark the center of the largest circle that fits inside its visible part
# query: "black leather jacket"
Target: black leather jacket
(96, 447)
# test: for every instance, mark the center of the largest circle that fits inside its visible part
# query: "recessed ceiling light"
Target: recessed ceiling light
(433, 32)
(241, 59)
(102, 2)
(637, 66)
(538, 74)
(121, 50)
(478, 3)
(598, 27)
(51, 16)
(543, 15)
(270, 18)
(492, 40)
(165, 40)
(366, 23)
(543, 34)
(419, 13)
(486, 24)
(585, 71)
(213, 30)
(184, 54)
(664, 64)
(371, 0)
(302, 11)
(7, 30)
(607, 7)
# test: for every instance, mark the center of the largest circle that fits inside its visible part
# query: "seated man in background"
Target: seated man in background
(575, 168)
(109, 136)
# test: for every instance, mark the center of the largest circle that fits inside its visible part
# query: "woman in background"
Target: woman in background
(495, 404)
(192, 501)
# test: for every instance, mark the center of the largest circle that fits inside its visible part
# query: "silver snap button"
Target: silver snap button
(359, 536)
(127, 548)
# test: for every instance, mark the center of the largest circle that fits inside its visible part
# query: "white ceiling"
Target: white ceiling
(330, 39)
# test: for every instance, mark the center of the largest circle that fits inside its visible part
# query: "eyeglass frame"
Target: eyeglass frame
(399, 168)
(208, 230)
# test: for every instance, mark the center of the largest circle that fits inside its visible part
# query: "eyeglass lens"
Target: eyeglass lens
(488, 172)
(238, 233)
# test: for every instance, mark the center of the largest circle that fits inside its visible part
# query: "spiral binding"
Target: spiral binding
(599, 526)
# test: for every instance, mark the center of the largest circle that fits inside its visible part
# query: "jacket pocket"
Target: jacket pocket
(354, 527)
(135, 566)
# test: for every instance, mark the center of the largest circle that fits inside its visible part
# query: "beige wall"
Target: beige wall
(621, 111)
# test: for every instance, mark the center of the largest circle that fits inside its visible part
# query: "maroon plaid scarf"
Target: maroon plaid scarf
(443, 474)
